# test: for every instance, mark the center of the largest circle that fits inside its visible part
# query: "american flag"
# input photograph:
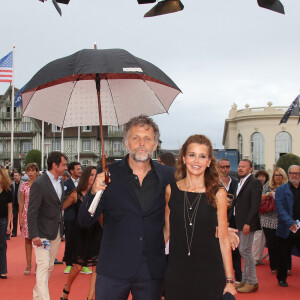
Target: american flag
(6, 68)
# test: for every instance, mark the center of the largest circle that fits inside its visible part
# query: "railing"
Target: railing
(17, 155)
(111, 133)
(7, 115)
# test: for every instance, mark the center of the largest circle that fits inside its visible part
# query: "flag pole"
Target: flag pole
(43, 150)
(12, 114)
(78, 145)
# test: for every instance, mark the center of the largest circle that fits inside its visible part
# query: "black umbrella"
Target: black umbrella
(66, 92)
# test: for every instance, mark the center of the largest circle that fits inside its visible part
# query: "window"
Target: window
(26, 126)
(86, 145)
(116, 129)
(56, 128)
(86, 128)
(258, 150)
(85, 163)
(283, 144)
(56, 145)
(1, 147)
(26, 146)
(240, 146)
(117, 148)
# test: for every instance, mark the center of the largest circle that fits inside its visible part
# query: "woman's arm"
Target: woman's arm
(224, 240)
(72, 198)
(9, 214)
(21, 207)
(167, 214)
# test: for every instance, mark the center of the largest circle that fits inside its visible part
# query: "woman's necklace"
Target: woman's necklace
(190, 220)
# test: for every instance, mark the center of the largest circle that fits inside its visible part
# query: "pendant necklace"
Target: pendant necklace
(190, 220)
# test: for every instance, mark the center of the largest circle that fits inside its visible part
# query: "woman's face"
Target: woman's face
(262, 178)
(278, 178)
(92, 176)
(32, 174)
(196, 159)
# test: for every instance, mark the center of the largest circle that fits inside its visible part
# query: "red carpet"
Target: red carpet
(19, 286)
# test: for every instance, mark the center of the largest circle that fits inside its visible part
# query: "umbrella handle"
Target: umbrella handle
(106, 174)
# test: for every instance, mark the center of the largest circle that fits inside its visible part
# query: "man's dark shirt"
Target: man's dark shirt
(296, 194)
(147, 191)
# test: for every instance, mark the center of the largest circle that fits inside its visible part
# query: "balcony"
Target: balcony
(111, 133)
(17, 155)
(7, 115)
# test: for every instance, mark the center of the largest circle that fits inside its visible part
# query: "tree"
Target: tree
(34, 156)
(287, 160)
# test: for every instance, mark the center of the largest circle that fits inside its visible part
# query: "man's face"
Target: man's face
(140, 143)
(244, 169)
(76, 172)
(294, 175)
(17, 177)
(61, 168)
(224, 167)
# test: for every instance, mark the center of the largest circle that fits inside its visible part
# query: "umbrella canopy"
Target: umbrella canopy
(64, 92)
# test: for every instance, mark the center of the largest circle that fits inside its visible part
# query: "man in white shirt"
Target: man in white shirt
(246, 217)
(45, 223)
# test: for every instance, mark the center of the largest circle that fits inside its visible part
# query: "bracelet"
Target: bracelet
(230, 277)
(230, 281)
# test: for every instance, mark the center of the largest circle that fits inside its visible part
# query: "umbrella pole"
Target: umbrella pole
(104, 168)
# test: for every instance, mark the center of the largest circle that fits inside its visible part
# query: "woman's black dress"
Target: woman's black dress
(85, 242)
(199, 276)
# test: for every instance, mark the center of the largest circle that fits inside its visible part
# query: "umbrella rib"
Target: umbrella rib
(112, 99)
(156, 96)
(77, 79)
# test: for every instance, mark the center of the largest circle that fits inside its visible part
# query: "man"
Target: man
(45, 223)
(15, 198)
(230, 183)
(132, 257)
(246, 217)
(75, 171)
(287, 199)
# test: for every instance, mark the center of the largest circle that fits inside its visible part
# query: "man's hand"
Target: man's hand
(234, 239)
(246, 229)
(37, 242)
(99, 183)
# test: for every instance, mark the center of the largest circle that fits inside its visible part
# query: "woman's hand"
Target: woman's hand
(21, 222)
(229, 288)
(8, 229)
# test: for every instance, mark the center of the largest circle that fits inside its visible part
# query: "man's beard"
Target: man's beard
(294, 181)
(140, 157)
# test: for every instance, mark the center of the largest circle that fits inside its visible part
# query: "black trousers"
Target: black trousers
(15, 218)
(284, 253)
(237, 266)
(141, 286)
(68, 225)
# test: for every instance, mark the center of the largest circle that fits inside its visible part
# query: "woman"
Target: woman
(85, 242)
(5, 219)
(259, 240)
(32, 171)
(195, 205)
(269, 220)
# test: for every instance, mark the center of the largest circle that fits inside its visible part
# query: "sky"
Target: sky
(218, 52)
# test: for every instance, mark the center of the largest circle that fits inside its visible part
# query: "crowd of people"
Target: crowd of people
(208, 219)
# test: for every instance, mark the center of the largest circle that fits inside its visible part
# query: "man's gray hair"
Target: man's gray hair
(291, 166)
(141, 120)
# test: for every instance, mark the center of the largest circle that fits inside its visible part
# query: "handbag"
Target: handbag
(267, 205)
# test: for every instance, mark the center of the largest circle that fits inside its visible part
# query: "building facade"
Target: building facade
(257, 135)
(28, 136)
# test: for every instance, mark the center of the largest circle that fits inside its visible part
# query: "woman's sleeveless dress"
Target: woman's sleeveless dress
(85, 242)
(200, 275)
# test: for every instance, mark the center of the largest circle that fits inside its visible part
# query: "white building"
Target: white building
(256, 133)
